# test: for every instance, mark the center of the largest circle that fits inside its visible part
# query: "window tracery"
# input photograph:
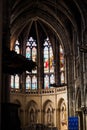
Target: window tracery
(31, 53)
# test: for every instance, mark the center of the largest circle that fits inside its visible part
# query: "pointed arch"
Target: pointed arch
(48, 116)
(62, 114)
(32, 112)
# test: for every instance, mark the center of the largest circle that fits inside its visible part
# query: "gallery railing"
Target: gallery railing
(39, 91)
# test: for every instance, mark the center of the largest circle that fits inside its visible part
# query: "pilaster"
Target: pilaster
(5, 43)
(0, 55)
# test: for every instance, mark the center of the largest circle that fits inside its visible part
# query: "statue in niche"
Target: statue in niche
(32, 115)
(63, 114)
(49, 116)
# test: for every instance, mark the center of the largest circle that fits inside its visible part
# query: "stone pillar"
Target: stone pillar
(40, 63)
(86, 121)
(70, 88)
(6, 43)
(85, 118)
(84, 112)
(0, 47)
(0, 55)
(57, 64)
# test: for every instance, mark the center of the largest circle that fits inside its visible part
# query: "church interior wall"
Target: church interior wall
(41, 103)
(67, 20)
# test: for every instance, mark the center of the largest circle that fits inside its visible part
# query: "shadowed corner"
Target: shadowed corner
(14, 63)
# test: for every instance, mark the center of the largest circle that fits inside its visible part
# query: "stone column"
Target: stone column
(0, 55)
(85, 118)
(84, 112)
(70, 89)
(6, 43)
(86, 121)
(40, 63)
(57, 64)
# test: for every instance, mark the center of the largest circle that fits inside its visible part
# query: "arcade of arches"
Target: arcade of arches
(53, 34)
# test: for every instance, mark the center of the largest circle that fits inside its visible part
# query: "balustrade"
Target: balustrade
(39, 91)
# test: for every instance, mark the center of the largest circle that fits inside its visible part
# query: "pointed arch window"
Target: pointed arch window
(48, 64)
(46, 81)
(62, 65)
(34, 82)
(12, 81)
(48, 71)
(28, 82)
(16, 81)
(17, 49)
(31, 54)
(15, 78)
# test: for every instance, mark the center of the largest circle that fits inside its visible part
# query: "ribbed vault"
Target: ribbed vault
(53, 18)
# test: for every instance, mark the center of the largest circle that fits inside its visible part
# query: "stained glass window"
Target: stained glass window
(48, 64)
(34, 82)
(51, 60)
(12, 81)
(31, 51)
(52, 79)
(28, 82)
(46, 81)
(46, 61)
(17, 49)
(15, 78)
(62, 65)
(31, 54)
(28, 52)
(16, 81)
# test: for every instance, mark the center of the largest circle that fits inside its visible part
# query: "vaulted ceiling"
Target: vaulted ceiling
(53, 18)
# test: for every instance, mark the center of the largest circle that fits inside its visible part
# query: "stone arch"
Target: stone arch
(48, 113)
(56, 30)
(32, 112)
(57, 27)
(62, 114)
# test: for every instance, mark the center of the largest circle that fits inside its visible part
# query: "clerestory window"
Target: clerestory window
(30, 79)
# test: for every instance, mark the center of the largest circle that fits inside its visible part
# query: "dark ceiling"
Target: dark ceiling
(42, 18)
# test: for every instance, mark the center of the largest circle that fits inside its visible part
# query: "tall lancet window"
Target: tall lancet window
(31, 54)
(17, 49)
(12, 81)
(15, 78)
(16, 81)
(30, 79)
(62, 65)
(48, 64)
